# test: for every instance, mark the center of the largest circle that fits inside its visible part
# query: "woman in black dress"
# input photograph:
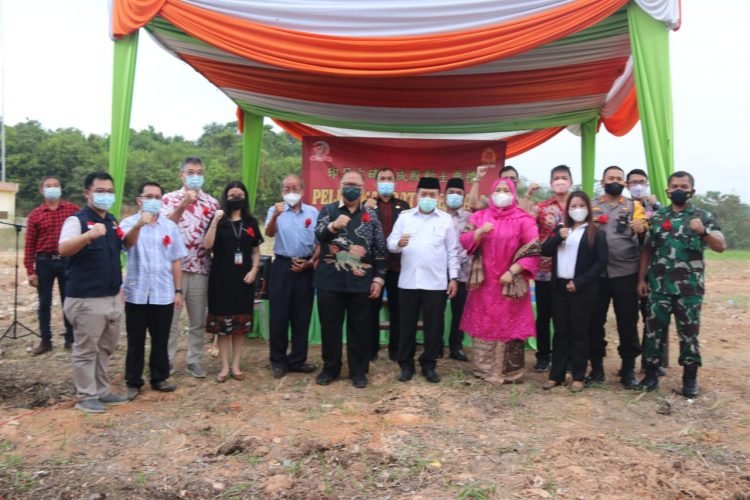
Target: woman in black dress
(235, 239)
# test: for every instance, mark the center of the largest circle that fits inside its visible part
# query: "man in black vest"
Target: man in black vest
(93, 242)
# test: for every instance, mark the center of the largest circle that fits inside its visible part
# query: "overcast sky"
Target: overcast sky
(58, 71)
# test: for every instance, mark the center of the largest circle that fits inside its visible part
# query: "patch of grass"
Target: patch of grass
(141, 479)
(5, 445)
(249, 459)
(10, 468)
(478, 490)
(237, 490)
(743, 255)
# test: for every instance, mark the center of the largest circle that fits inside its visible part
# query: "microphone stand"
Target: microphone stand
(12, 330)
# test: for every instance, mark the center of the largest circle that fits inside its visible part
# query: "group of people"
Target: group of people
(188, 251)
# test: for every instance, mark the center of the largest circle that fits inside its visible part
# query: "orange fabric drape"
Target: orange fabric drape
(381, 56)
(129, 15)
(625, 118)
(524, 142)
(240, 120)
(515, 145)
(445, 91)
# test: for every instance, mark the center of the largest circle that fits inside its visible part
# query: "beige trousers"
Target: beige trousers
(195, 299)
(96, 326)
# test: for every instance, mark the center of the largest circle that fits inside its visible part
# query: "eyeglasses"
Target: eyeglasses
(100, 190)
(637, 183)
(235, 197)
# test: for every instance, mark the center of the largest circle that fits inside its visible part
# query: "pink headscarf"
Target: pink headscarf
(511, 210)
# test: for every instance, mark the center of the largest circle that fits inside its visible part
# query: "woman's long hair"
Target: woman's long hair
(245, 215)
(569, 222)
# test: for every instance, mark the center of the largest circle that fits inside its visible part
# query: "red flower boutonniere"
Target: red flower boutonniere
(667, 225)
(366, 217)
(119, 232)
(206, 211)
(167, 240)
(308, 221)
(602, 219)
(250, 232)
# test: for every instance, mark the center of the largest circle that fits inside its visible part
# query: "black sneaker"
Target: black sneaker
(163, 386)
(304, 368)
(542, 365)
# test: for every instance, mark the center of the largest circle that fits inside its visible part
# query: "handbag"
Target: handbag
(476, 271)
(519, 285)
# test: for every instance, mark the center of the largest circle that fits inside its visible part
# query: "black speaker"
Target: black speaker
(264, 275)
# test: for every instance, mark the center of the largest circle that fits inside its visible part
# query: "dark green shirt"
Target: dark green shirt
(352, 257)
(677, 266)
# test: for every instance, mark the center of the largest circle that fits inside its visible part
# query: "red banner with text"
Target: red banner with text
(326, 159)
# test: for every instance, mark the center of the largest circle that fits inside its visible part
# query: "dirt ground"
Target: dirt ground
(289, 438)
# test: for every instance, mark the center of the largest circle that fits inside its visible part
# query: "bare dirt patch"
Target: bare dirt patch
(289, 438)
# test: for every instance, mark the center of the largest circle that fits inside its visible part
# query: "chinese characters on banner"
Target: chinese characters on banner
(326, 159)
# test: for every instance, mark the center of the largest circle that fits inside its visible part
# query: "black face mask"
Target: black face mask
(614, 188)
(680, 197)
(235, 204)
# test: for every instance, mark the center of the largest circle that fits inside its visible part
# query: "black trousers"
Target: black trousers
(332, 308)
(622, 293)
(291, 297)
(571, 315)
(391, 287)
(47, 271)
(456, 338)
(157, 319)
(543, 294)
(431, 303)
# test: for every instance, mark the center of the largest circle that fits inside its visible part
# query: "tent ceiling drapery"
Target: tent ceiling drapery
(520, 70)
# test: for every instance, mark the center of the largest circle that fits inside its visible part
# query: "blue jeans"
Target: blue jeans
(47, 270)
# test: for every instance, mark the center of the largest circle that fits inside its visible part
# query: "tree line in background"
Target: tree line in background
(33, 152)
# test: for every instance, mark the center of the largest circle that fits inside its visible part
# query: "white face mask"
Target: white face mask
(578, 214)
(638, 191)
(502, 200)
(292, 199)
(560, 186)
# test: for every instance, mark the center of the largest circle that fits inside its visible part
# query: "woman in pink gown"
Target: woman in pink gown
(500, 324)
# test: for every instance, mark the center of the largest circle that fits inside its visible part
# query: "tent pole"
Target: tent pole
(588, 155)
(649, 40)
(123, 77)
(252, 137)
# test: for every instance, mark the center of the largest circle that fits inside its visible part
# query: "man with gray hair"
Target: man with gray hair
(292, 224)
(191, 209)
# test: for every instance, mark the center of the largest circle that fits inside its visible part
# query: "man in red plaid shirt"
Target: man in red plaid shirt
(41, 258)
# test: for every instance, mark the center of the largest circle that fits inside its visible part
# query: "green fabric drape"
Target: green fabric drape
(252, 136)
(123, 77)
(588, 155)
(649, 40)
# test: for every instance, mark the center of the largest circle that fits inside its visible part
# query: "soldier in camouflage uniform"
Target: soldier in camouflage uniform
(672, 262)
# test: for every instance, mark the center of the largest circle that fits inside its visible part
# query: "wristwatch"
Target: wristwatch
(178, 290)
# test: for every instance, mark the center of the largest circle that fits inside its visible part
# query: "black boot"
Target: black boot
(596, 375)
(627, 374)
(650, 382)
(690, 381)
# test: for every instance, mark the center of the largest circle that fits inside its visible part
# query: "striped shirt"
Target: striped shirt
(149, 278)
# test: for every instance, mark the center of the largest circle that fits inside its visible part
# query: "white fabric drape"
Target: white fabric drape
(407, 116)
(348, 132)
(667, 11)
(378, 18)
(619, 91)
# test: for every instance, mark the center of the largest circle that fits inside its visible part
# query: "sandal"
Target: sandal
(222, 378)
(238, 376)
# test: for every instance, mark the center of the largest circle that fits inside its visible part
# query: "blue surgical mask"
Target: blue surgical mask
(386, 188)
(454, 200)
(52, 193)
(427, 204)
(152, 206)
(103, 201)
(194, 181)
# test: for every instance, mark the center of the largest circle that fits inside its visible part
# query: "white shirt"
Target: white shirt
(567, 253)
(432, 253)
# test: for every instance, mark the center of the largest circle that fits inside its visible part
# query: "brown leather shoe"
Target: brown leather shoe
(44, 346)
(576, 386)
